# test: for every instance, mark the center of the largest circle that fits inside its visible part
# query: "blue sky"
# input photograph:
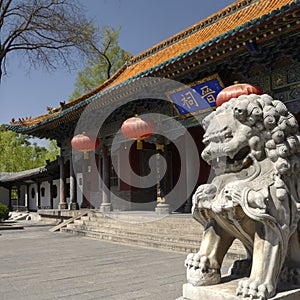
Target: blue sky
(144, 24)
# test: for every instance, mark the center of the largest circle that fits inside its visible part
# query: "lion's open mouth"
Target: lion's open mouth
(240, 156)
(235, 164)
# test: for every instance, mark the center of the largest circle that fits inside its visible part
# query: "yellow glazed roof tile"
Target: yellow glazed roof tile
(225, 20)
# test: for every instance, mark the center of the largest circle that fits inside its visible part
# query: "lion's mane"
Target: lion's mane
(272, 124)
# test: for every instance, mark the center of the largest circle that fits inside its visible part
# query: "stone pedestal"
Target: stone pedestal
(226, 291)
(63, 205)
(105, 207)
(162, 208)
(74, 206)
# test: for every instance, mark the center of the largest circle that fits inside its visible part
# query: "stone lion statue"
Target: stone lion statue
(253, 146)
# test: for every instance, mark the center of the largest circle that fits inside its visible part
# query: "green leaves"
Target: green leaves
(105, 58)
(18, 153)
(4, 212)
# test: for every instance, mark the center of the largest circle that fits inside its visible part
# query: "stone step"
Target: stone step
(171, 221)
(180, 247)
(236, 251)
(170, 237)
(194, 229)
(10, 227)
(142, 218)
(167, 220)
(174, 232)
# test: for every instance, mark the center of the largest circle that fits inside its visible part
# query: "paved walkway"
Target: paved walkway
(38, 264)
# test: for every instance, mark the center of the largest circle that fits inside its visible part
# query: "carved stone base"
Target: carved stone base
(226, 291)
(63, 205)
(105, 207)
(74, 206)
(162, 208)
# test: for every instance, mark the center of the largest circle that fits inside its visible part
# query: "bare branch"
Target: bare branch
(3, 10)
(47, 31)
(103, 55)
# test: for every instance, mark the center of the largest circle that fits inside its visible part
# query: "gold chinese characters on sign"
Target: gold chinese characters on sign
(198, 97)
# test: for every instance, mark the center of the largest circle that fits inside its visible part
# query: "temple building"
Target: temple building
(251, 41)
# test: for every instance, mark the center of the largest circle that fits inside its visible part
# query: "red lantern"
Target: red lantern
(84, 143)
(138, 128)
(233, 91)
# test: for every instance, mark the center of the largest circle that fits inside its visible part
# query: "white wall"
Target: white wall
(45, 200)
(32, 205)
(32, 201)
(56, 200)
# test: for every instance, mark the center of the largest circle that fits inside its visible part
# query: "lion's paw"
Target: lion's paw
(252, 289)
(197, 262)
(199, 272)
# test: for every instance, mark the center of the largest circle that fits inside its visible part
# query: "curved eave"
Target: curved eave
(8, 177)
(167, 63)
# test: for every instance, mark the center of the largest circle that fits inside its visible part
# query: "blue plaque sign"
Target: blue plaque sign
(199, 97)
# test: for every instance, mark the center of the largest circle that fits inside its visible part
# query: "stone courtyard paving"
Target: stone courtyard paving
(38, 264)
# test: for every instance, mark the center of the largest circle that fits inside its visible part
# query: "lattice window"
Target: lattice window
(286, 83)
(259, 76)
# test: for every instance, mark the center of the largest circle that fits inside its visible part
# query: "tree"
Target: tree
(18, 153)
(47, 32)
(52, 151)
(105, 58)
(4, 212)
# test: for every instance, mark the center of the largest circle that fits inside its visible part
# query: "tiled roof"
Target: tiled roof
(12, 176)
(235, 18)
(50, 167)
(226, 20)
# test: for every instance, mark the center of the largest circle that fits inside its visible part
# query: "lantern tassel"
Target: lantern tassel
(139, 145)
(85, 154)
